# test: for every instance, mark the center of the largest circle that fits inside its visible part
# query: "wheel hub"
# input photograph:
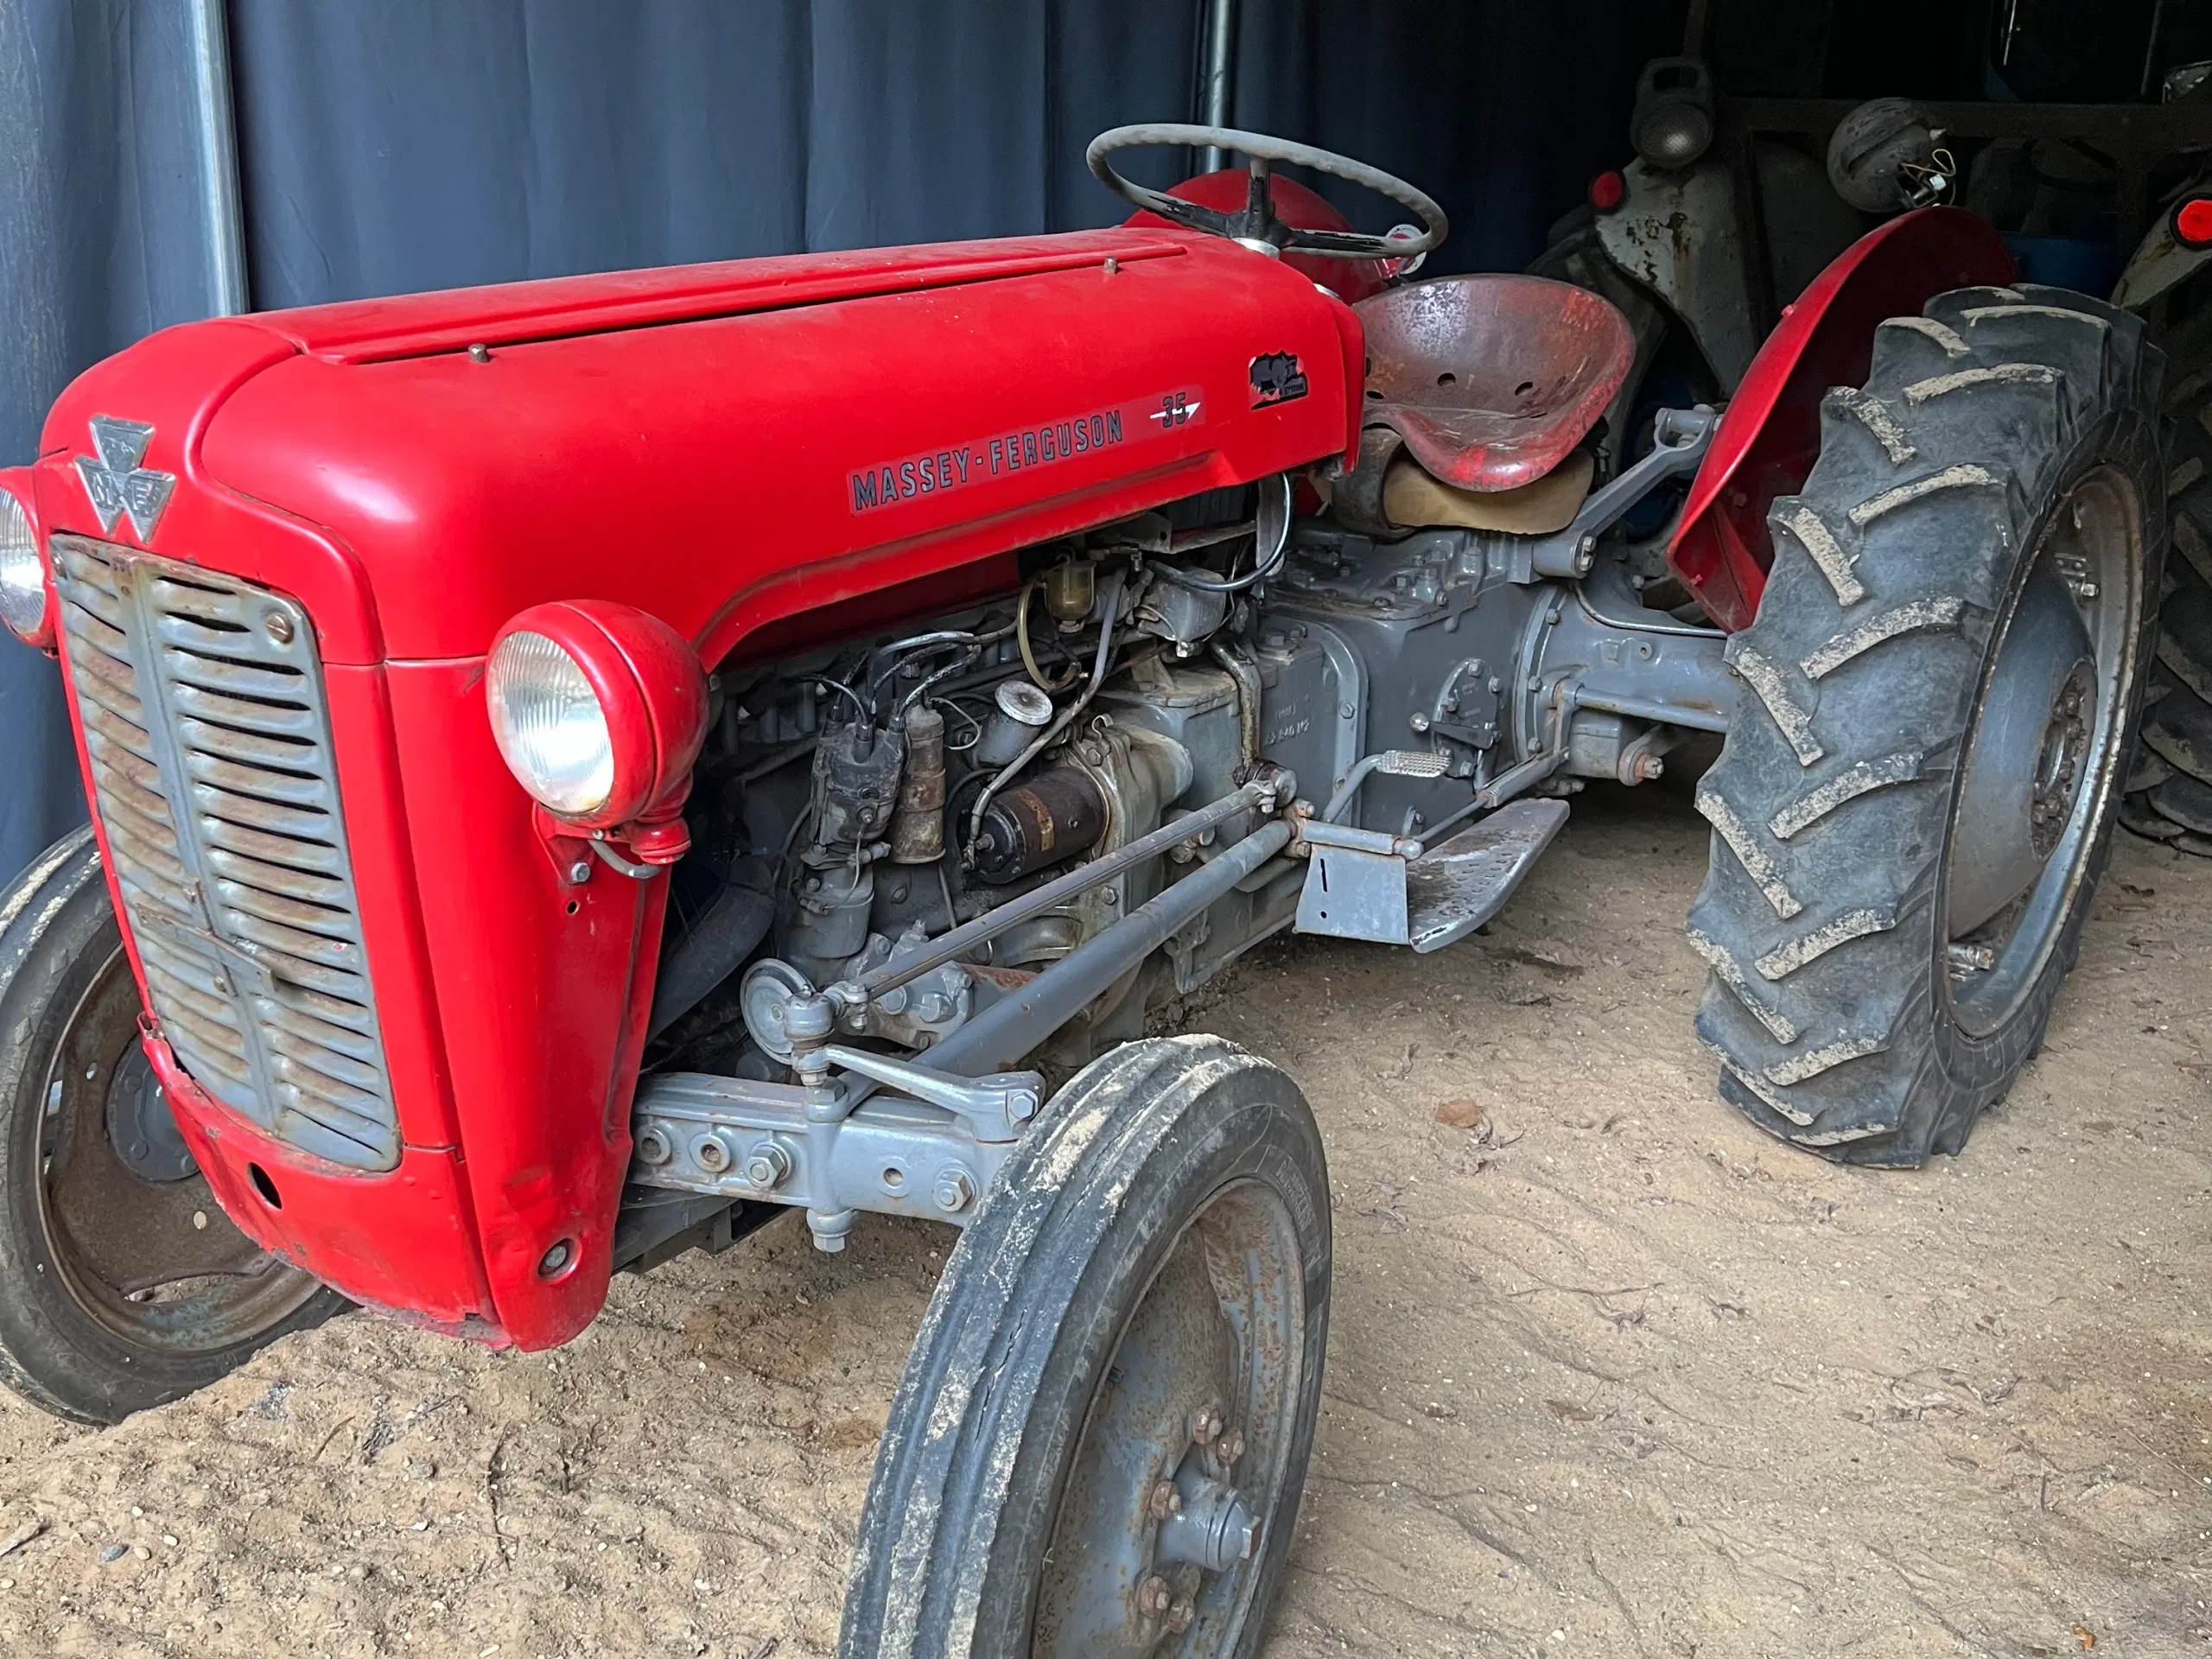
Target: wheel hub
(140, 1126)
(2045, 750)
(1180, 1457)
(2025, 769)
(2059, 766)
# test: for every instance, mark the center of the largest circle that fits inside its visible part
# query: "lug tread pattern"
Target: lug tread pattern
(1889, 567)
(2170, 797)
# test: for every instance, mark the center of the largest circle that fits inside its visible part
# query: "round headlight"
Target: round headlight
(600, 710)
(1674, 135)
(550, 724)
(22, 579)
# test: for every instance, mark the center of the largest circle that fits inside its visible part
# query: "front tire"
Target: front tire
(123, 1285)
(1917, 796)
(1140, 1308)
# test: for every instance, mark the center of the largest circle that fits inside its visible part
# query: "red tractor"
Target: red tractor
(583, 766)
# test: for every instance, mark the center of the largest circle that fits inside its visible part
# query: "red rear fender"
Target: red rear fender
(1770, 434)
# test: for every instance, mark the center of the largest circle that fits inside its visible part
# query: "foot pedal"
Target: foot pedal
(1453, 889)
(1357, 888)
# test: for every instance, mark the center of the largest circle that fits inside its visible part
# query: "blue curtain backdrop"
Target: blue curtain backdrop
(408, 144)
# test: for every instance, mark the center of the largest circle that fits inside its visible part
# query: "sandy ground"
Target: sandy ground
(1617, 1376)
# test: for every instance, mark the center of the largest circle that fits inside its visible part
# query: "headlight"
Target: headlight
(550, 724)
(22, 579)
(599, 710)
(1672, 124)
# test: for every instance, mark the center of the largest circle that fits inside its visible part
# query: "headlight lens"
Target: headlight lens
(22, 581)
(549, 724)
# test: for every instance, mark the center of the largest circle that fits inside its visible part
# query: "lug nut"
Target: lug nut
(1154, 1598)
(1230, 1448)
(1181, 1615)
(1205, 1426)
(1165, 1501)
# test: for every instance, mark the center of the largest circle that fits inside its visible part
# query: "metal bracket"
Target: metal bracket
(1680, 439)
(995, 1106)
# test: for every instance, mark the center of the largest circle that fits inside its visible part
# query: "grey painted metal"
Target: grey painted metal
(1391, 763)
(221, 207)
(959, 941)
(202, 705)
(1354, 893)
(1003, 1033)
(1680, 439)
(1210, 1529)
(1994, 855)
(736, 1139)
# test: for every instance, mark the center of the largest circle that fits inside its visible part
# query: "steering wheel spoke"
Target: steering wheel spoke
(1258, 223)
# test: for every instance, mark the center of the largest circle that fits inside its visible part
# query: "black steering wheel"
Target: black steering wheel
(1255, 225)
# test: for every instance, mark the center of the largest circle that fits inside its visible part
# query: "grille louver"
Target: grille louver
(204, 718)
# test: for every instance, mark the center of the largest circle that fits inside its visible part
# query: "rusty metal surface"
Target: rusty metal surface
(1492, 380)
(155, 1261)
(201, 700)
(1679, 235)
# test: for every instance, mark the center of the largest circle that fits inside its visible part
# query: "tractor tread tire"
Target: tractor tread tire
(2170, 797)
(1026, 1318)
(1831, 800)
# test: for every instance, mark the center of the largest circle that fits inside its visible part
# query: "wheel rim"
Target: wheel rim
(135, 1236)
(2045, 751)
(1186, 1447)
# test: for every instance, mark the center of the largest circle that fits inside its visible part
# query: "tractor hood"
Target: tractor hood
(722, 445)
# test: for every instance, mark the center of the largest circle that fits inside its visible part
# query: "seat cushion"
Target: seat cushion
(1491, 380)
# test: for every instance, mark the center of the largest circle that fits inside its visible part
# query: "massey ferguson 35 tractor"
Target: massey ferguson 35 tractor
(580, 766)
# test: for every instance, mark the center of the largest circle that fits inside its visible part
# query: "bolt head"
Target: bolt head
(1230, 1446)
(1154, 1598)
(1205, 1426)
(278, 626)
(955, 1191)
(1180, 1616)
(1165, 1500)
(580, 872)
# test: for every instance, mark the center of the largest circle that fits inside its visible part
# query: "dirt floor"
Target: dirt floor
(1610, 1373)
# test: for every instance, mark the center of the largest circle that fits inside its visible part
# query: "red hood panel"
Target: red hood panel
(415, 325)
(925, 408)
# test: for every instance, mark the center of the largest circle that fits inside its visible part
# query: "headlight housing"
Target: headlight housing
(550, 724)
(23, 576)
(599, 710)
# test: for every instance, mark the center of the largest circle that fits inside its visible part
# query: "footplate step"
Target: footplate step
(1360, 892)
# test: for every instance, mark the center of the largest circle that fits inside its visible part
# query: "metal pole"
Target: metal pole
(1220, 24)
(221, 216)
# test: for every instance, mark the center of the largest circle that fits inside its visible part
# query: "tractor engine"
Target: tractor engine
(860, 800)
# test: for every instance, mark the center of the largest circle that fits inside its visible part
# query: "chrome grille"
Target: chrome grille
(202, 705)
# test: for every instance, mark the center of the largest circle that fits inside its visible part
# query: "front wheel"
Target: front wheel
(122, 1283)
(1099, 1443)
(1939, 696)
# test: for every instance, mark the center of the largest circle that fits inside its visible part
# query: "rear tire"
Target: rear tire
(2170, 796)
(1996, 484)
(1156, 1247)
(123, 1285)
